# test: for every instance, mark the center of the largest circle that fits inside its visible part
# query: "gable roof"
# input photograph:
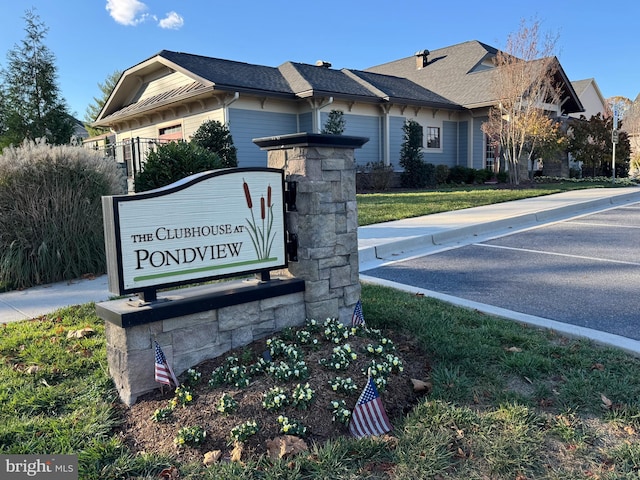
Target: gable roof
(581, 86)
(452, 72)
(229, 74)
(400, 90)
(290, 80)
(455, 77)
(462, 74)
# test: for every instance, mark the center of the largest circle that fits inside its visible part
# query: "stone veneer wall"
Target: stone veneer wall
(325, 220)
(190, 339)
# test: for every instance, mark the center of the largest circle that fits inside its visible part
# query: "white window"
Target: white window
(174, 132)
(433, 137)
(489, 154)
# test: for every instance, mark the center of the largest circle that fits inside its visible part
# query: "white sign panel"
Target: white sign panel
(209, 225)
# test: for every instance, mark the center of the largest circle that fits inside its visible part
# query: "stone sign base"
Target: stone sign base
(192, 325)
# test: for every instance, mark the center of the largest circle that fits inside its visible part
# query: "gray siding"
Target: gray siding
(449, 142)
(478, 143)
(306, 122)
(245, 125)
(396, 137)
(463, 143)
(365, 126)
(362, 126)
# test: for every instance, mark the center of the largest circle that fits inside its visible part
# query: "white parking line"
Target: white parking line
(608, 225)
(557, 254)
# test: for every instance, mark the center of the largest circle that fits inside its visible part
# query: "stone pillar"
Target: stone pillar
(325, 218)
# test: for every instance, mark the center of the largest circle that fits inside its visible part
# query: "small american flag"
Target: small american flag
(164, 373)
(357, 318)
(368, 417)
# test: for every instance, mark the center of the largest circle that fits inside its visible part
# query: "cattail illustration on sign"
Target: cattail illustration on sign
(262, 235)
(247, 194)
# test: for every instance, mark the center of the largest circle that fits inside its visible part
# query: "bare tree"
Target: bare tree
(525, 92)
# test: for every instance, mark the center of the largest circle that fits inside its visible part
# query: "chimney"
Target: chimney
(422, 59)
(323, 64)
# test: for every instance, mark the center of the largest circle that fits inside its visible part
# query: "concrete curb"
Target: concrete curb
(603, 338)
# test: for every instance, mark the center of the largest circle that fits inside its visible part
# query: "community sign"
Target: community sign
(210, 225)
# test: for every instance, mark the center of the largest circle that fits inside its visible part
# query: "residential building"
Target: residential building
(447, 91)
(590, 97)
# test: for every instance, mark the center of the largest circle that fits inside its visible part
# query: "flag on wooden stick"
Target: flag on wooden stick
(164, 373)
(357, 318)
(368, 417)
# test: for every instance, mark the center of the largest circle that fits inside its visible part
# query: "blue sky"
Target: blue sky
(92, 38)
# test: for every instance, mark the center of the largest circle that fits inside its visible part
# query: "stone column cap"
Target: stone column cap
(309, 140)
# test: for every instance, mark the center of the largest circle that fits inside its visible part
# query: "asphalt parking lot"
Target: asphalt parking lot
(584, 271)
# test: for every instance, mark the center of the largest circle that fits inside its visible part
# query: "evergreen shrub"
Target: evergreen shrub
(442, 174)
(216, 137)
(460, 174)
(173, 161)
(51, 226)
(416, 172)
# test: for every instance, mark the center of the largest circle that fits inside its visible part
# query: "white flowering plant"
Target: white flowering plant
(274, 399)
(282, 379)
(192, 377)
(395, 364)
(230, 373)
(305, 337)
(243, 431)
(343, 385)
(279, 348)
(341, 358)
(380, 370)
(291, 427)
(312, 326)
(302, 396)
(191, 436)
(284, 371)
(340, 411)
(335, 332)
(258, 367)
(226, 404)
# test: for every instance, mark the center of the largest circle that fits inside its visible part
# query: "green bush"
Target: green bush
(172, 162)
(335, 123)
(442, 174)
(502, 177)
(415, 174)
(216, 137)
(375, 176)
(482, 175)
(51, 226)
(460, 174)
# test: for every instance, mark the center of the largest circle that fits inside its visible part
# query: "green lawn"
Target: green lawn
(507, 402)
(384, 207)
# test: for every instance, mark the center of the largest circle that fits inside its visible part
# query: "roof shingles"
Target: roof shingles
(454, 77)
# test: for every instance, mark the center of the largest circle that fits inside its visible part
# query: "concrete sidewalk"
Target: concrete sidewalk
(388, 241)
(33, 302)
(376, 243)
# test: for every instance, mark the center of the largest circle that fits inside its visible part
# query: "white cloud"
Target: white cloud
(127, 12)
(172, 21)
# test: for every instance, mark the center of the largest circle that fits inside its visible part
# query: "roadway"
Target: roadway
(582, 273)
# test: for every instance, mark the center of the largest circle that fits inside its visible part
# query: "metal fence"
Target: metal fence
(130, 152)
